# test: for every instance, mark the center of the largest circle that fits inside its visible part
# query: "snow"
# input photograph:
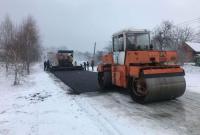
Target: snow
(41, 105)
(132, 30)
(192, 77)
(194, 46)
(95, 69)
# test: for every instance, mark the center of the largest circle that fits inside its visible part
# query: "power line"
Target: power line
(189, 21)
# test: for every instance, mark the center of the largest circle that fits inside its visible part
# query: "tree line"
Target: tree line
(20, 44)
(168, 36)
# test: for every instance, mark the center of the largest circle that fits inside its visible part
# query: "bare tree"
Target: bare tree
(15, 55)
(6, 38)
(163, 35)
(30, 42)
(182, 34)
(10, 43)
(21, 45)
(172, 37)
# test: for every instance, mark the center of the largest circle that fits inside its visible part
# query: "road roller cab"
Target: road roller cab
(150, 75)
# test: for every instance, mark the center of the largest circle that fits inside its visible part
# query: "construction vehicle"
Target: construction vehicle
(62, 60)
(150, 75)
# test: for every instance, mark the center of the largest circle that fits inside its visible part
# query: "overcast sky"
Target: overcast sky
(77, 24)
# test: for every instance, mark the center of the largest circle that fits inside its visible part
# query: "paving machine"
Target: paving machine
(62, 60)
(150, 75)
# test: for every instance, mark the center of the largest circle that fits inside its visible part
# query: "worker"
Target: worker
(92, 65)
(70, 58)
(75, 63)
(84, 64)
(88, 65)
(45, 65)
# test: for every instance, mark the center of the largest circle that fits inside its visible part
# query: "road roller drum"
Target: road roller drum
(145, 90)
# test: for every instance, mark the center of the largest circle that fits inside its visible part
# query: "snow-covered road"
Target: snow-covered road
(42, 106)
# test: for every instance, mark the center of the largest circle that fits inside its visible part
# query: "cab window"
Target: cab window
(137, 41)
(118, 43)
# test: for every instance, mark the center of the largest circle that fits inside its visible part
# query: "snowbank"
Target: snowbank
(192, 77)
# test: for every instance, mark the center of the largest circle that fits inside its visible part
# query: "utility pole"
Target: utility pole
(94, 50)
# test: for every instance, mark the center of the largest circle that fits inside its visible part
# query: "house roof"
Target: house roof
(194, 46)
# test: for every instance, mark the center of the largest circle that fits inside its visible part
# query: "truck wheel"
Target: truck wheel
(105, 80)
(138, 90)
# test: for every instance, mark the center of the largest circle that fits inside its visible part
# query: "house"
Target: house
(197, 60)
(188, 51)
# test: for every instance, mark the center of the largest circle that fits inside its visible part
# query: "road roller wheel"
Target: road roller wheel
(138, 89)
(145, 90)
(105, 80)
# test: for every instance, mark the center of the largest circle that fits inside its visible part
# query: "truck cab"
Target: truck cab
(129, 40)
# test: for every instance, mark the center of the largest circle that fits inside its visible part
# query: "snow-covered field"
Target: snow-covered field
(42, 106)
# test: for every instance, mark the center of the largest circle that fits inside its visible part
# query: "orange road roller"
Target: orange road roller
(150, 75)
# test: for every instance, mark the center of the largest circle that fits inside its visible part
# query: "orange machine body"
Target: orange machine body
(140, 64)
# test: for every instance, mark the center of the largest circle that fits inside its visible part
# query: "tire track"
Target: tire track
(95, 115)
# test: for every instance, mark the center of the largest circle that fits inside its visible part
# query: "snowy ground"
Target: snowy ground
(42, 106)
(192, 78)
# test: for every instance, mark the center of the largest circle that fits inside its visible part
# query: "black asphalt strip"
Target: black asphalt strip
(79, 81)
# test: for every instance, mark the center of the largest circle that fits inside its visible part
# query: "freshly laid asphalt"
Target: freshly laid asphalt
(79, 81)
